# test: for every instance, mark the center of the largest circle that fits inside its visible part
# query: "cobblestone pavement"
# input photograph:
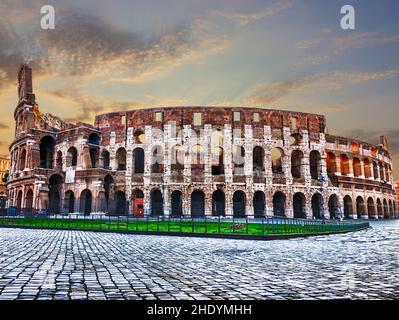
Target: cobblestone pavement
(54, 264)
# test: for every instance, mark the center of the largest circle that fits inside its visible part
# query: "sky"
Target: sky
(283, 54)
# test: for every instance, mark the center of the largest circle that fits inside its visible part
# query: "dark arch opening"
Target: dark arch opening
(72, 157)
(156, 203)
(239, 204)
(258, 158)
(197, 203)
(279, 204)
(47, 145)
(317, 206)
(299, 205)
(218, 203)
(121, 159)
(86, 200)
(359, 207)
(259, 204)
(138, 158)
(333, 207)
(105, 159)
(94, 138)
(177, 203)
(370, 208)
(19, 201)
(121, 206)
(69, 202)
(55, 186)
(315, 164)
(29, 200)
(348, 207)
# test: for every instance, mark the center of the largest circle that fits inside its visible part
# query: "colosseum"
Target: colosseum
(194, 161)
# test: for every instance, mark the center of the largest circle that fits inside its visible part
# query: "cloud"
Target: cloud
(267, 93)
(242, 19)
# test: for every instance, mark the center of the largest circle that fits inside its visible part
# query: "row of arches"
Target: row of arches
(369, 208)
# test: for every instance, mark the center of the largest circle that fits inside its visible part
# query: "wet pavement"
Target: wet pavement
(61, 264)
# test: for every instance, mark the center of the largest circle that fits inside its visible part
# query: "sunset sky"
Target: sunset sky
(288, 54)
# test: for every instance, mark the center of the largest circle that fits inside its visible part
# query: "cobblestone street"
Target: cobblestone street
(54, 264)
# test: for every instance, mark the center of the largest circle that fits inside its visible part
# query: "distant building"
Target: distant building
(4, 170)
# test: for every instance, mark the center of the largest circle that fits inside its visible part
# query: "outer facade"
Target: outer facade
(195, 161)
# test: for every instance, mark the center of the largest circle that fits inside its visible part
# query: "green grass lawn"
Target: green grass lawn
(213, 227)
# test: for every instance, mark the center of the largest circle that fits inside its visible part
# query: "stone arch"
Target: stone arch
(344, 165)
(390, 208)
(295, 139)
(360, 208)
(29, 200)
(177, 158)
(382, 172)
(239, 203)
(138, 203)
(259, 204)
(108, 191)
(333, 206)
(157, 159)
(69, 202)
(386, 210)
(94, 139)
(156, 203)
(121, 159)
(138, 160)
(331, 164)
(139, 137)
(217, 161)
(72, 157)
(58, 161)
(315, 164)
(47, 145)
(380, 210)
(367, 168)
(55, 188)
(297, 164)
(176, 203)
(238, 160)
(258, 160)
(357, 169)
(86, 201)
(94, 158)
(105, 159)
(279, 204)
(375, 170)
(317, 206)
(277, 155)
(197, 203)
(19, 201)
(22, 160)
(197, 158)
(121, 206)
(348, 207)
(371, 208)
(218, 203)
(299, 205)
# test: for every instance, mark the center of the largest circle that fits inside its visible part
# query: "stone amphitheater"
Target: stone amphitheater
(195, 161)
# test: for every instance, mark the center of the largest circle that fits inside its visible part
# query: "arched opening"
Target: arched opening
(315, 164)
(348, 207)
(121, 206)
(299, 205)
(382, 173)
(390, 208)
(176, 203)
(29, 201)
(108, 186)
(121, 159)
(380, 210)
(386, 211)
(138, 160)
(139, 137)
(259, 204)
(217, 138)
(333, 207)
(177, 158)
(296, 163)
(355, 146)
(22, 160)
(217, 161)
(197, 204)
(375, 170)
(218, 203)
(279, 204)
(19, 201)
(58, 161)
(344, 165)
(258, 158)
(156, 203)
(138, 203)
(295, 139)
(94, 138)
(69, 202)
(72, 157)
(86, 200)
(238, 160)
(157, 160)
(317, 206)
(277, 155)
(331, 164)
(55, 188)
(239, 204)
(47, 145)
(357, 170)
(360, 209)
(367, 168)
(105, 159)
(370, 208)
(93, 158)
(197, 159)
